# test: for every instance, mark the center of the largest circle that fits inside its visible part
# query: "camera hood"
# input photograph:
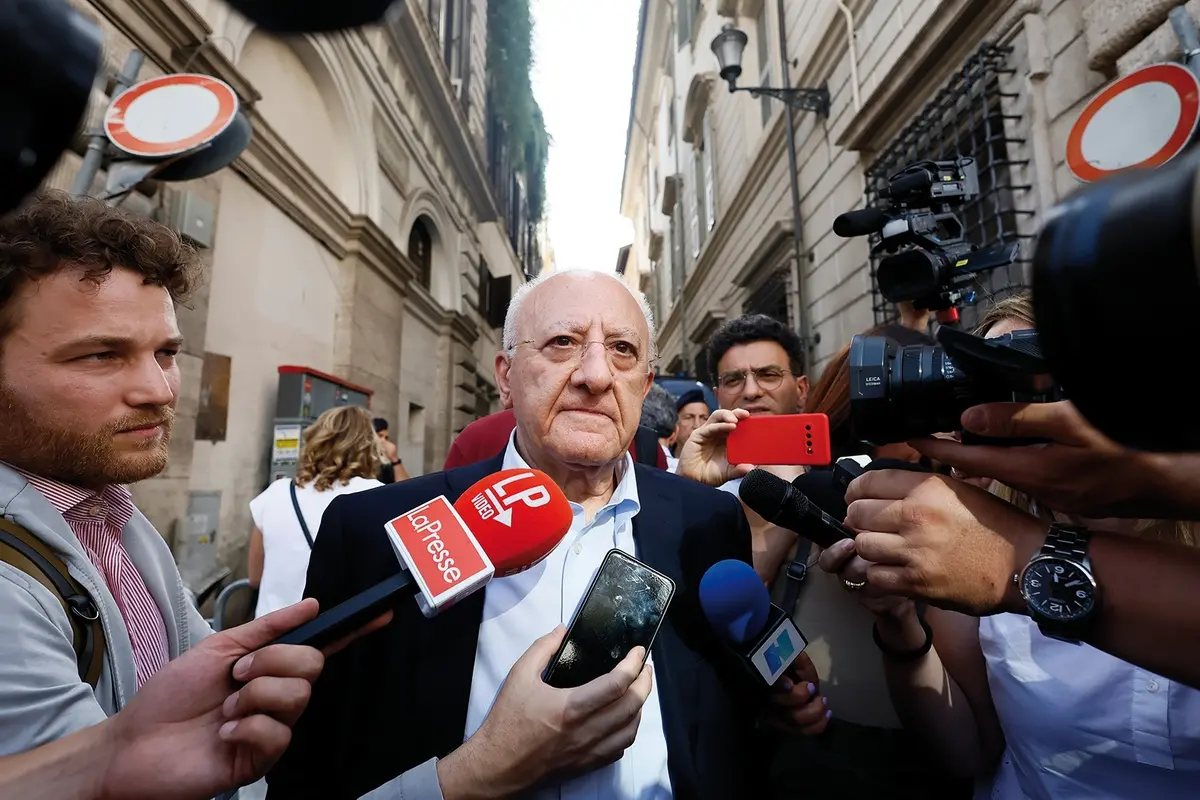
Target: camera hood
(1014, 359)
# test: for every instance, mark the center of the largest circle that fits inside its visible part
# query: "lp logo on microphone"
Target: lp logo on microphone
(497, 501)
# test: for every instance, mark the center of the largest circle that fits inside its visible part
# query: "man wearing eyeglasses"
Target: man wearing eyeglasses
(758, 364)
(455, 706)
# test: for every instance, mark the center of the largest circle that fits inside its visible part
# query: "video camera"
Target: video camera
(930, 262)
(903, 392)
(51, 57)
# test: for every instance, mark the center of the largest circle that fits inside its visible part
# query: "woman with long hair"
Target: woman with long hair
(340, 454)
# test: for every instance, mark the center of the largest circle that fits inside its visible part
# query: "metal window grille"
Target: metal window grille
(771, 298)
(971, 115)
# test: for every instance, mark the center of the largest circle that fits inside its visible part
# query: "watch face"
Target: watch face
(1058, 589)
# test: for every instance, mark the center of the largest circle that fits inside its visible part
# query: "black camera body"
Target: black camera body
(926, 257)
(903, 392)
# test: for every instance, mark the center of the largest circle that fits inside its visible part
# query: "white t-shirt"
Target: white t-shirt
(285, 550)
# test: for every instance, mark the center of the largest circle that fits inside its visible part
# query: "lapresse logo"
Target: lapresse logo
(440, 551)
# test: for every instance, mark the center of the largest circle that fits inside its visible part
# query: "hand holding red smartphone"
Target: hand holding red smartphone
(791, 439)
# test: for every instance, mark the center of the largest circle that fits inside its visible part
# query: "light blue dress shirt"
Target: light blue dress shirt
(520, 608)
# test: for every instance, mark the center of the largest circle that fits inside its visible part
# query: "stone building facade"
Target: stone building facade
(706, 180)
(368, 232)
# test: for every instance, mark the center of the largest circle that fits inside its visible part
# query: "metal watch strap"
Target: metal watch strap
(1067, 541)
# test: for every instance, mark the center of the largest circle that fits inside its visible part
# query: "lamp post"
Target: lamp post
(729, 46)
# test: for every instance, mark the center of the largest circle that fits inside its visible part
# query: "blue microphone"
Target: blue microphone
(740, 610)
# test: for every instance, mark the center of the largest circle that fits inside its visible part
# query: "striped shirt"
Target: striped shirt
(97, 519)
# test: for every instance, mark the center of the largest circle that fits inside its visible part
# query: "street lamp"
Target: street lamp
(728, 47)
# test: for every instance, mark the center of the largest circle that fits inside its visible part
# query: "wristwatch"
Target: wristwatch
(1058, 586)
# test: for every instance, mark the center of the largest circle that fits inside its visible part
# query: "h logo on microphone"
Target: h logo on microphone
(779, 652)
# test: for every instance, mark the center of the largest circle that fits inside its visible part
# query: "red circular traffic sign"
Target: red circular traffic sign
(1144, 119)
(169, 115)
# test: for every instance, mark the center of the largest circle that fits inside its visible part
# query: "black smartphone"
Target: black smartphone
(623, 608)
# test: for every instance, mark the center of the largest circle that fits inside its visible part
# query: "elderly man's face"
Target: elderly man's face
(580, 371)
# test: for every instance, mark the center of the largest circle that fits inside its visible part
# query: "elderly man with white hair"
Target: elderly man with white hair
(455, 706)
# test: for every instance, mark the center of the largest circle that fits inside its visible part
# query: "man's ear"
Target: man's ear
(503, 386)
(649, 383)
(801, 392)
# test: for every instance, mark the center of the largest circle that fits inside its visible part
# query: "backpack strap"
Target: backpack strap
(22, 550)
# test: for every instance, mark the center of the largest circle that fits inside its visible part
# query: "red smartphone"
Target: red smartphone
(801, 439)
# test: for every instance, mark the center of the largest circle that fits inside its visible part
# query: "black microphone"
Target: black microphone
(847, 469)
(781, 503)
(862, 222)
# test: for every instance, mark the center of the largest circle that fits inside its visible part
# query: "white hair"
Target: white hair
(518, 299)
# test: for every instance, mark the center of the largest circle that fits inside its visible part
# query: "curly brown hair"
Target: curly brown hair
(54, 231)
(341, 444)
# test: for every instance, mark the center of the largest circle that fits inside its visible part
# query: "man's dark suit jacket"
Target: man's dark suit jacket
(399, 696)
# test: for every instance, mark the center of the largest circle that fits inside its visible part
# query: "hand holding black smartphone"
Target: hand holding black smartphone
(623, 608)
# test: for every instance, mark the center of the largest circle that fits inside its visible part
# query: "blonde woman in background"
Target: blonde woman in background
(340, 455)
(1029, 716)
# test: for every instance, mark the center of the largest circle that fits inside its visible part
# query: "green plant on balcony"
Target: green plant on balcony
(509, 64)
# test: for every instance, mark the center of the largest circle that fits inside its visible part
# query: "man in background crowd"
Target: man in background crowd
(659, 415)
(691, 412)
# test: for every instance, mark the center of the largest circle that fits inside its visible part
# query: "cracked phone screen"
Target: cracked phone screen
(623, 609)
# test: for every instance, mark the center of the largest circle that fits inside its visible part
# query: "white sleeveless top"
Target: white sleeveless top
(1083, 725)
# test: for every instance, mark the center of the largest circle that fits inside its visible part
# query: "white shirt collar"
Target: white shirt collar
(625, 496)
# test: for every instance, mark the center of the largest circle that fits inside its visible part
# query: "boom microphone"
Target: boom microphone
(502, 525)
(781, 503)
(737, 606)
(862, 222)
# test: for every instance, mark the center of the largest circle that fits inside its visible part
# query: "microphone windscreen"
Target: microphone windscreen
(518, 516)
(764, 492)
(862, 222)
(821, 487)
(311, 16)
(734, 600)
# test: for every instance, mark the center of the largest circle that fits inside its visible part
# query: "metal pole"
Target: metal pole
(794, 175)
(1189, 37)
(97, 146)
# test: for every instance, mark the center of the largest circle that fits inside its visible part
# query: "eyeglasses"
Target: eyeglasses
(622, 356)
(767, 378)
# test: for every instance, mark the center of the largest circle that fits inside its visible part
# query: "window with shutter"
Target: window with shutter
(701, 213)
(693, 212)
(499, 296)
(710, 178)
(762, 32)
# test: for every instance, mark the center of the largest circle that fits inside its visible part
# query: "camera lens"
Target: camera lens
(901, 392)
(1114, 285)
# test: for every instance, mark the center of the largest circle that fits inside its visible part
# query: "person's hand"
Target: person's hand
(703, 455)
(796, 702)
(936, 537)
(192, 731)
(536, 732)
(1080, 471)
(840, 559)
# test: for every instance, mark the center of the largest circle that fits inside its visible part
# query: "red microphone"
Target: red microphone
(502, 525)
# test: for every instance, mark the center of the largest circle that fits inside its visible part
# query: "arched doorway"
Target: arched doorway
(420, 249)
